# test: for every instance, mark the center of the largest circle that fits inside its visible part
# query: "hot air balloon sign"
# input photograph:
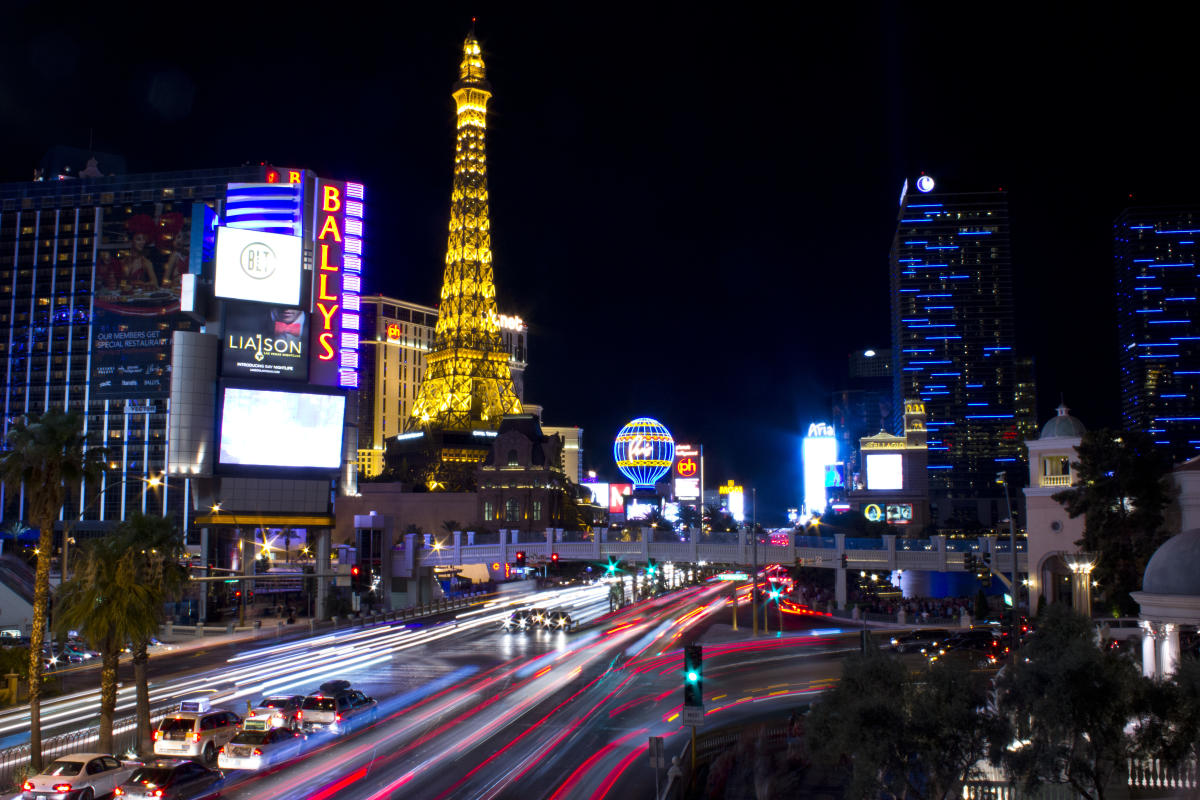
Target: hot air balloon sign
(644, 451)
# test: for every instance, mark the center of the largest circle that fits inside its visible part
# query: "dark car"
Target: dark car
(519, 620)
(914, 640)
(978, 647)
(169, 779)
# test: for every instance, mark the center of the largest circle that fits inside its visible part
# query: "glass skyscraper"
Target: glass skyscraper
(953, 334)
(1157, 285)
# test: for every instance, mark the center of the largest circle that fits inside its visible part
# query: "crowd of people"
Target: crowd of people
(916, 609)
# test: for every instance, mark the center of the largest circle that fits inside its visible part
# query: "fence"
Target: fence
(1152, 778)
(14, 761)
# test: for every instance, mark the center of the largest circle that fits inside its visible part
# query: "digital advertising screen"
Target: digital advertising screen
(637, 509)
(258, 267)
(899, 513)
(885, 472)
(687, 488)
(269, 428)
(818, 452)
(599, 493)
(264, 342)
(616, 496)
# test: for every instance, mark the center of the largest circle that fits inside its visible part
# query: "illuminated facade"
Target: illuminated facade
(953, 335)
(396, 336)
(1158, 332)
(467, 383)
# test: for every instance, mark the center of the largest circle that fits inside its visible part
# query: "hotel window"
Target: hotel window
(537, 510)
(487, 509)
(512, 510)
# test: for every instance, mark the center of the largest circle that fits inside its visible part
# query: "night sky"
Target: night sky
(691, 209)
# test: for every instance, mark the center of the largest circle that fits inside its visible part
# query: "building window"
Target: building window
(512, 510)
(537, 510)
(512, 458)
(488, 509)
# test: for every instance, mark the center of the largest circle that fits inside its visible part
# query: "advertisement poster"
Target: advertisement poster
(265, 342)
(142, 253)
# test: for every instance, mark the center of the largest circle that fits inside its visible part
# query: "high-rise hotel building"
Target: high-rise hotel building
(1158, 332)
(953, 334)
(396, 335)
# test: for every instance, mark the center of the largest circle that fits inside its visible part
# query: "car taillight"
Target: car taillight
(117, 792)
(157, 735)
(251, 714)
(27, 786)
(194, 736)
(221, 749)
(256, 752)
(337, 718)
(158, 792)
(62, 787)
(299, 714)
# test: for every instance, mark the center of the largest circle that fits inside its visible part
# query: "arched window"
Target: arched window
(512, 458)
(512, 510)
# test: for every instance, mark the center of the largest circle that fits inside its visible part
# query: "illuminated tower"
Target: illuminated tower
(467, 384)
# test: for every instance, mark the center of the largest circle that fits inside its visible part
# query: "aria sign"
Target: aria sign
(337, 281)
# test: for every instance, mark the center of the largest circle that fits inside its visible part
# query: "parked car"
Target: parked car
(336, 709)
(195, 731)
(81, 776)
(259, 745)
(169, 779)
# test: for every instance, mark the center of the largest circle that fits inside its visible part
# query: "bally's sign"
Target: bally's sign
(258, 267)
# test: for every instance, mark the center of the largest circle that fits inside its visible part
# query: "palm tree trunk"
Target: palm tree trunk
(108, 697)
(37, 638)
(140, 658)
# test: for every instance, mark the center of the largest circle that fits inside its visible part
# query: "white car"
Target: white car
(82, 776)
(260, 745)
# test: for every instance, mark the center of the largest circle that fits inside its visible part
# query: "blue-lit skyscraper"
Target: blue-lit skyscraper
(953, 334)
(1157, 285)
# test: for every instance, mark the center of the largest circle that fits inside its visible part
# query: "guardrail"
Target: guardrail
(14, 761)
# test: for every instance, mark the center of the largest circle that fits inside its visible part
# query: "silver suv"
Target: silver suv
(195, 731)
(336, 708)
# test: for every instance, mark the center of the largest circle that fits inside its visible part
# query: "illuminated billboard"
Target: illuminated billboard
(819, 453)
(735, 503)
(638, 509)
(899, 513)
(599, 493)
(337, 282)
(264, 342)
(885, 472)
(258, 267)
(266, 428)
(687, 488)
(644, 451)
(617, 492)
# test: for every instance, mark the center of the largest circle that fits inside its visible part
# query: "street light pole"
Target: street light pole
(754, 561)
(1012, 549)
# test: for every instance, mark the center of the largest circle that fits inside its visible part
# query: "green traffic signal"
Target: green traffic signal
(693, 676)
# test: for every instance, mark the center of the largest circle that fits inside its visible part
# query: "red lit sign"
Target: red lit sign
(393, 331)
(336, 284)
(616, 497)
(686, 467)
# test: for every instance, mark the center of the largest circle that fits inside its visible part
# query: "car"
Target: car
(81, 776)
(258, 744)
(169, 779)
(336, 711)
(557, 620)
(915, 640)
(195, 731)
(280, 709)
(978, 647)
(537, 617)
(518, 620)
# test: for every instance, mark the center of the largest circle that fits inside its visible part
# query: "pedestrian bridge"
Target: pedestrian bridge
(936, 554)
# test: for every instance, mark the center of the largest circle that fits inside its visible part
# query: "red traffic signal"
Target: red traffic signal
(520, 558)
(554, 558)
(355, 571)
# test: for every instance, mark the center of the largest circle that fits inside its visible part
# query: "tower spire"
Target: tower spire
(467, 382)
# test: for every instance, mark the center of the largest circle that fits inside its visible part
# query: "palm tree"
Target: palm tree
(109, 606)
(157, 550)
(46, 453)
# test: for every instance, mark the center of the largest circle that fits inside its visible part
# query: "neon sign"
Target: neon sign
(644, 451)
(337, 281)
(686, 467)
(393, 331)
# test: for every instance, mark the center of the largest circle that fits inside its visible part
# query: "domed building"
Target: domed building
(1169, 600)
(1056, 569)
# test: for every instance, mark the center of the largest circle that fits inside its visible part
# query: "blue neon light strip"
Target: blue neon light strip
(990, 416)
(1140, 227)
(1182, 230)
(975, 233)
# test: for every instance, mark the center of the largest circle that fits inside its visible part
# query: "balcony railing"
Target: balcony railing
(1056, 480)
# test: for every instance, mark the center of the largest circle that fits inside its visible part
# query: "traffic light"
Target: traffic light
(520, 558)
(845, 561)
(612, 568)
(969, 562)
(651, 568)
(554, 558)
(357, 579)
(983, 568)
(693, 676)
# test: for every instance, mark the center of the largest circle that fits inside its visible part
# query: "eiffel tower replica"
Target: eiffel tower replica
(467, 386)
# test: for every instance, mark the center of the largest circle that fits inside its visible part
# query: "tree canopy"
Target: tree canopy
(1122, 491)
